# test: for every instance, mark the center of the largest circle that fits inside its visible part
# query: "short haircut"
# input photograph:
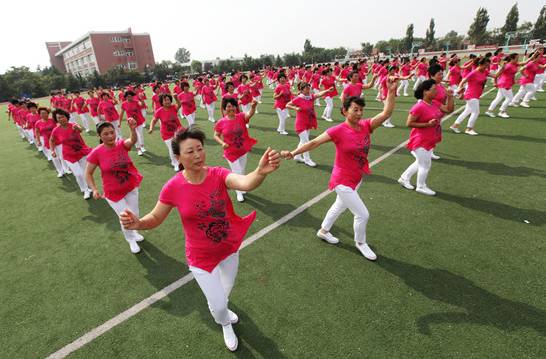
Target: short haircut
(60, 112)
(227, 100)
(191, 132)
(163, 96)
(353, 99)
(434, 69)
(423, 86)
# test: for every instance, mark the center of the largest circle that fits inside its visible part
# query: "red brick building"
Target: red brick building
(101, 51)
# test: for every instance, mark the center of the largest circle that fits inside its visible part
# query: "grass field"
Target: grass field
(459, 275)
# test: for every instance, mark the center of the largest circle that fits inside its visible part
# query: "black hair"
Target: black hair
(129, 93)
(104, 94)
(423, 86)
(184, 84)
(32, 104)
(163, 96)
(434, 69)
(498, 51)
(227, 100)
(350, 75)
(40, 109)
(484, 61)
(511, 57)
(228, 84)
(243, 76)
(281, 75)
(302, 85)
(352, 99)
(60, 112)
(191, 132)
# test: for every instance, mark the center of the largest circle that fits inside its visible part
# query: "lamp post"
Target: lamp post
(508, 36)
(413, 46)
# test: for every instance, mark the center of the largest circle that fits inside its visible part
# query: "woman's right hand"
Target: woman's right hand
(433, 123)
(287, 155)
(97, 194)
(225, 145)
(129, 220)
(53, 154)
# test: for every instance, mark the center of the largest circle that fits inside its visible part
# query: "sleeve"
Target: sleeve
(157, 113)
(168, 193)
(93, 157)
(221, 173)
(415, 110)
(333, 133)
(367, 124)
(219, 126)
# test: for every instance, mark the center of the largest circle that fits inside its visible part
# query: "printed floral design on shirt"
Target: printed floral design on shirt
(73, 141)
(170, 124)
(217, 229)
(120, 168)
(361, 154)
(238, 139)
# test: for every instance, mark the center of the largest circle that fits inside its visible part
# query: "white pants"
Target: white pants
(454, 89)
(210, 111)
(190, 118)
(472, 108)
(95, 119)
(217, 285)
(525, 92)
(403, 86)
(304, 138)
(282, 114)
(21, 132)
(239, 167)
(539, 81)
(130, 202)
(84, 117)
(317, 99)
(59, 152)
(348, 198)
(72, 117)
(78, 170)
(200, 101)
(144, 113)
(505, 94)
(329, 108)
(419, 80)
(29, 134)
(140, 136)
(117, 128)
(174, 161)
(421, 166)
(245, 108)
(56, 161)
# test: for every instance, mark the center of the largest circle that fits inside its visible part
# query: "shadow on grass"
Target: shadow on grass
(499, 210)
(162, 270)
(496, 168)
(157, 160)
(477, 305)
(100, 212)
(516, 138)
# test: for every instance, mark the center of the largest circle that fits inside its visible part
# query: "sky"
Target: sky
(216, 28)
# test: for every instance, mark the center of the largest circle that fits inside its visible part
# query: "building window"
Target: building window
(131, 65)
(130, 53)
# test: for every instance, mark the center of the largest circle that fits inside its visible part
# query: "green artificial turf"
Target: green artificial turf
(459, 275)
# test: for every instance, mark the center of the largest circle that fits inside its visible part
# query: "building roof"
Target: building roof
(87, 35)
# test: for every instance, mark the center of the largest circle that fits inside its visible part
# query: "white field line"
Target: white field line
(135, 309)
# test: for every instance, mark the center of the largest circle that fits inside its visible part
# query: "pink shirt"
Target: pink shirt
(455, 76)
(405, 70)
(235, 134)
(79, 102)
(306, 118)
(213, 231)
(353, 90)
(155, 102)
(169, 122)
(108, 110)
(244, 91)
(507, 78)
(31, 119)
(119, 175)
(134, 110)
(352, 146)
(74, 148)
(476, 82)
(281, 101)
(441, 94)
(529, 72)
(426, 137)
(422, 69)
(187, 102)
(208, 95)
(327, 82)
(45, 128)
(93, 104)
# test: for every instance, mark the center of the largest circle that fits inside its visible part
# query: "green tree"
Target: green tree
(307, 47)
(182, 55)
(539, 30)
(451, 39)
(478, 30)
(408, 40)
(367, 48)
(278, 61)
(511, 23)
(429, 36)
(196, 66)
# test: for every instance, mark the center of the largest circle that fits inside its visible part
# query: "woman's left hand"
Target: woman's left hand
(132, 123)
(269, 162)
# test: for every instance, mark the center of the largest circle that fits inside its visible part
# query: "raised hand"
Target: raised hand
(132, 123)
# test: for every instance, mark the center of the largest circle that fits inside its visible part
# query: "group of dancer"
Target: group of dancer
(213, 231)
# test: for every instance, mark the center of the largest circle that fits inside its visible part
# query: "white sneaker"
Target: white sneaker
(233, 318)
(513, 104)
(143, 149)
(247, 125)
(366, 251)
(87, 194)
(240, 197)
(540, 90)
(328, 237)
(533, 98)
(471, 132)
(212, 120)
(406, 184)
(328, 120)
(139, 237)
(310, 163)
(503, 115)
(490, 114)
(454, 129)
(139, 152)
(426, 190)
(524, 104)
(176, 168)
(434, 156)
(299, 158)
(68, 172)
(134, 246)
(388, 124)
(230, 339)
(60, 175)
(284, 133)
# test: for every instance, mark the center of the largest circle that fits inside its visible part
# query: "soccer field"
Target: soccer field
(459, 275)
